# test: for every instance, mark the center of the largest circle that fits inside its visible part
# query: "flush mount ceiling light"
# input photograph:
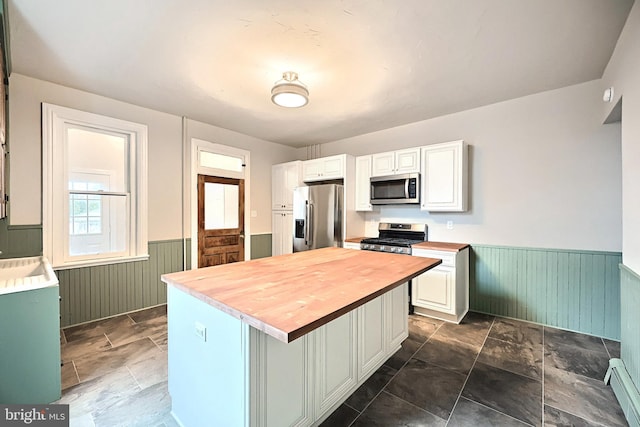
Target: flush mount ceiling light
(289, 91)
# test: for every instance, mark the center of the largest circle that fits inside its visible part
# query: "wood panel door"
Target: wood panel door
(220, 220)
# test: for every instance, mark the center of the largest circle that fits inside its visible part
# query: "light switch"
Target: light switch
(449, 225)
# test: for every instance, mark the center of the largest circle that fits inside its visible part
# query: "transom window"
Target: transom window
(95, 202)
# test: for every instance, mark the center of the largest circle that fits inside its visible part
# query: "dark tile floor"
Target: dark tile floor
(488, 371)
(484, 372)
(114, 371)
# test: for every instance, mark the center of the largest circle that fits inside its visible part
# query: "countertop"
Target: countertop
(434, 246)
(288, 296)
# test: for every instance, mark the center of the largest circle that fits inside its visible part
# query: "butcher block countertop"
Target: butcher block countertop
(288, 296)
(434, 246)
(441, 246)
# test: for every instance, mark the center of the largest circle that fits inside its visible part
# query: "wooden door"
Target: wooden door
(220, 220)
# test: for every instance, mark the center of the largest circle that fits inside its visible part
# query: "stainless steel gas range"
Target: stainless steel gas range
(396, 238)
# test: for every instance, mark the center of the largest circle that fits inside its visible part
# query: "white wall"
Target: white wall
(544, 172)
(623, 73)
(165, 155)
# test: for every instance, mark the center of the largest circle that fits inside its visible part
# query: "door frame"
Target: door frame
(198, 145)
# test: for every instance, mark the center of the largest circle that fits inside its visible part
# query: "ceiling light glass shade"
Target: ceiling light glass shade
(290, 92)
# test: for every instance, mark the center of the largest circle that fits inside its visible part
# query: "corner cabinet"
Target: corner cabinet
(396, 162)
(363, 184)
(444, 177)
(324, 168)
(442, 292)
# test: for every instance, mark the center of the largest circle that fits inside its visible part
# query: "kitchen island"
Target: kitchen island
(283, 340)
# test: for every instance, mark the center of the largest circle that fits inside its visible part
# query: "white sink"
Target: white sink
(24, 274)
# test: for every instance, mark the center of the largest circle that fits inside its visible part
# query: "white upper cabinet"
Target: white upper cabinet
(363, 183)
(284, 178)
(444, 177)
(324, 168)
(396, 162)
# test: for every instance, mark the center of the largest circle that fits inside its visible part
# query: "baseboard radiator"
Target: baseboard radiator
(624, 373)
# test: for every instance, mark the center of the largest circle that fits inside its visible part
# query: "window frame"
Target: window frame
(55, 195)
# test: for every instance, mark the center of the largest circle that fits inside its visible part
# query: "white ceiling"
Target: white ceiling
(369, 64)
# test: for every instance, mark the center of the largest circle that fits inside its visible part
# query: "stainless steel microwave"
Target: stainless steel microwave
(395, 189)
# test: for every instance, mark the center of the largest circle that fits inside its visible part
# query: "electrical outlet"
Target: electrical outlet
(449, 225)
(201, 331)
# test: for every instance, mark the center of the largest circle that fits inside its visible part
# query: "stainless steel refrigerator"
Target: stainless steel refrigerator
(317, 217)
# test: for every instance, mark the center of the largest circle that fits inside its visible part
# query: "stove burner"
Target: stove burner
(395, 238)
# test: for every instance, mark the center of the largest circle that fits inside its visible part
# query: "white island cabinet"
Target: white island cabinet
(287, 384)
(232, 364)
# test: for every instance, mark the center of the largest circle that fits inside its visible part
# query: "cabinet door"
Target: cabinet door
(444, 177)
(408, 161)
(397, 306)
(284, 178)
(383, 164)
(371, 336)
(335, 361)
(312, 170)
(333, 167)
(281, 233)
(283, 382)
(290, 182)
(435, 290)
(278, 178)
(363, 183)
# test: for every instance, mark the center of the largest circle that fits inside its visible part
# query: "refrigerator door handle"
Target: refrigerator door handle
(309, 225)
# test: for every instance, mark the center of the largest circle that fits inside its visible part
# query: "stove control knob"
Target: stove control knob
(394, 249)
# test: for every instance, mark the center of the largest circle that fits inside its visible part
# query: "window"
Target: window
(94, 197)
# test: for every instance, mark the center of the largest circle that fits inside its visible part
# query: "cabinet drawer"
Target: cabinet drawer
(448, 258)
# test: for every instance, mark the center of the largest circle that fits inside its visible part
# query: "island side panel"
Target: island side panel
(208, 375)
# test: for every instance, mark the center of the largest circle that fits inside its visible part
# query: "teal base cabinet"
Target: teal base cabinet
(30, 346)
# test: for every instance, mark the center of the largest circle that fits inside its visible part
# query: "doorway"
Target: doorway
(220, 220)
(218, 204)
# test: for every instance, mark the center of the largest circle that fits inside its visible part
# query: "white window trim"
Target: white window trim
(54, 118)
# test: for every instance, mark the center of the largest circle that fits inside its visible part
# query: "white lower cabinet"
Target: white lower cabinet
(302, 382)
(281, 232)
(281, 380)
(443, 292)
(336, 349)
(397, 325)
(371, 336)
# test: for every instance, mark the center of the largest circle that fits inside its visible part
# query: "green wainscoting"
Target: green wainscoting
(260, 245)
(91, 293)
(20, 240)
(568, 289)
(630, 334)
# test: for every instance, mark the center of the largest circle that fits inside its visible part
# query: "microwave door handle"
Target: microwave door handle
(406, 188)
